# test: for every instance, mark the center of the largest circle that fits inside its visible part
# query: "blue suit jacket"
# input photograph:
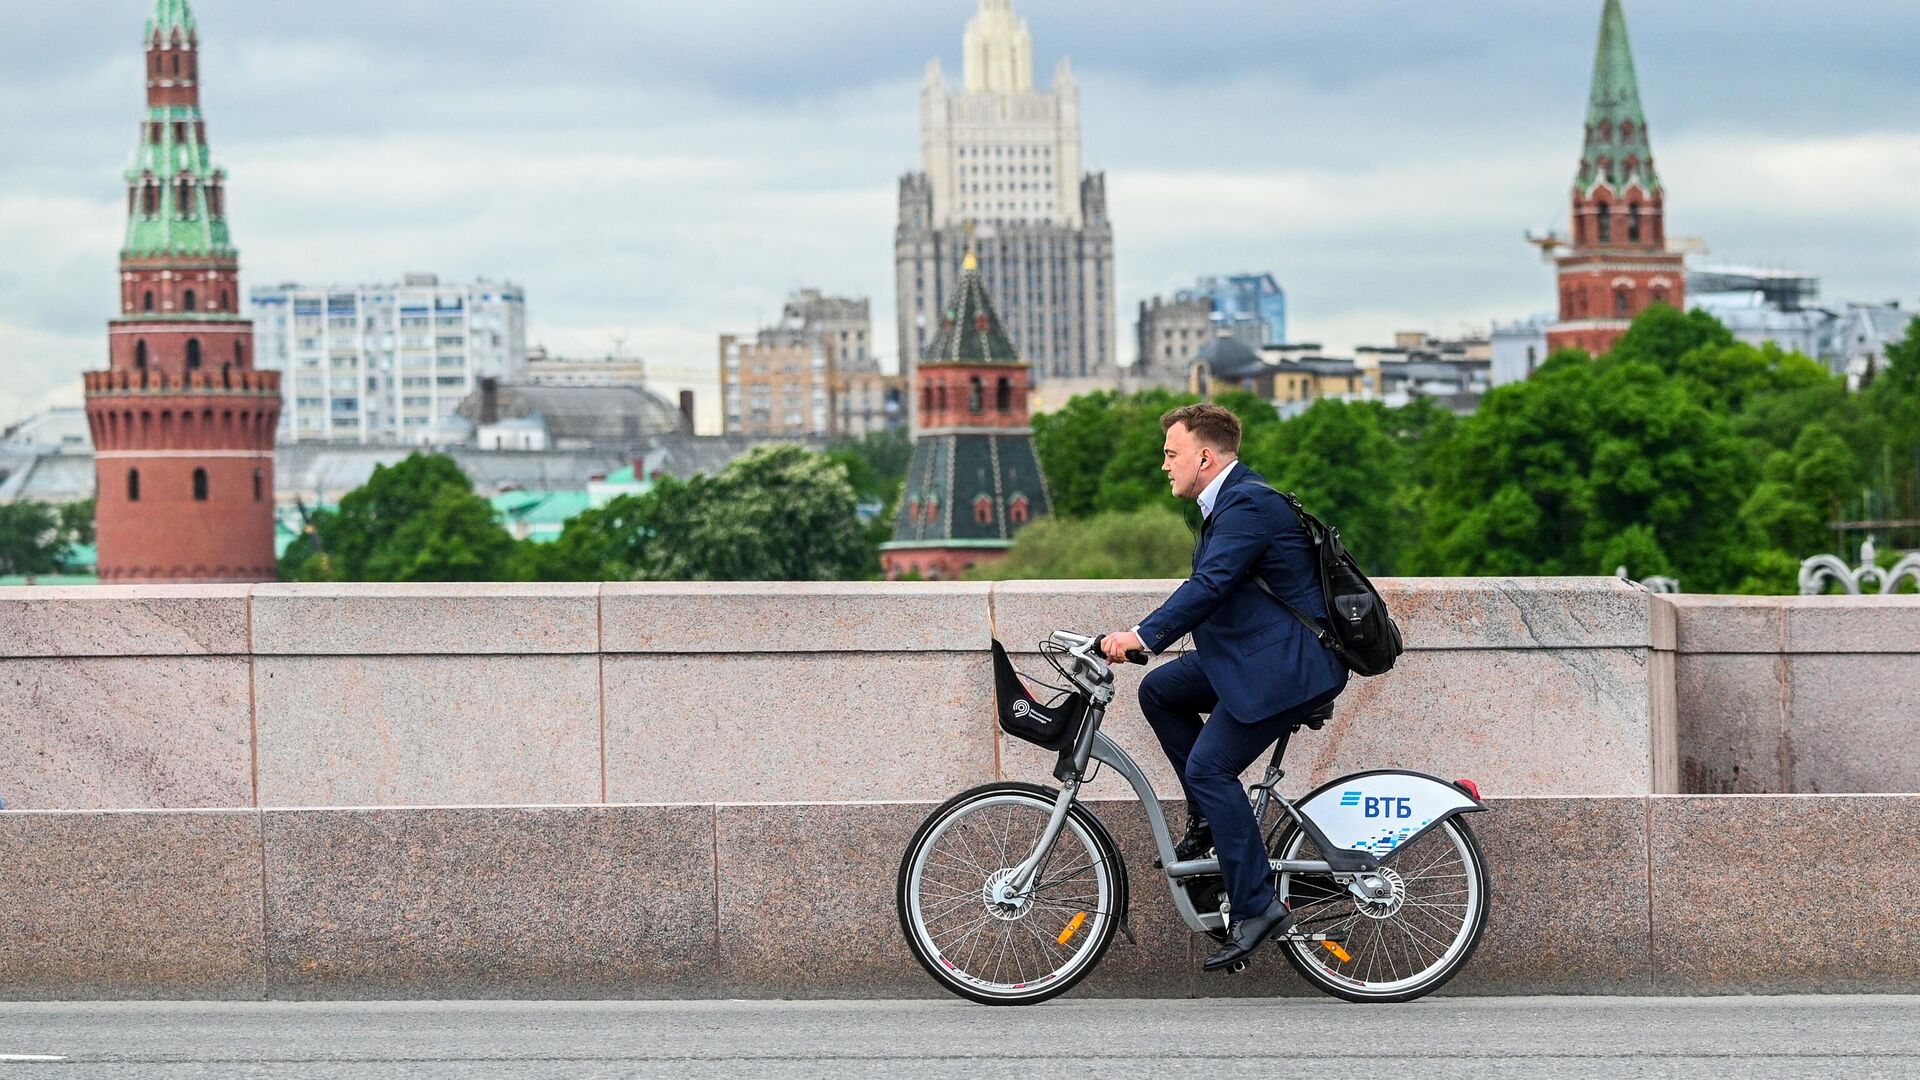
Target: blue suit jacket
(1260, 659)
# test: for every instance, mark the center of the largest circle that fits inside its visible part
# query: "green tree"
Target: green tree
(1151, 542)
(1583, 467)
(1344, 469)
(76, 522)
(418, 520)
(876, 463)
(30, 539)
(780, 513)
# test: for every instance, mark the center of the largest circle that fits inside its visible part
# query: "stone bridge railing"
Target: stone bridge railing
(696, 790)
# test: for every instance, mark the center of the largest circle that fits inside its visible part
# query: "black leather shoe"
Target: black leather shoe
(1195, 842)
(1247, 935)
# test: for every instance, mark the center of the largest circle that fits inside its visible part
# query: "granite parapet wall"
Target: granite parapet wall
(1612, 895)
(288, 695)
(1795, 693)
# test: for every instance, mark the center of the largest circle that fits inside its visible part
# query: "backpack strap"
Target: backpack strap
(1320, 632)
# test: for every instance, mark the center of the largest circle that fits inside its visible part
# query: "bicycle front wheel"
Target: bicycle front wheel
(1403, 944)
(984, 944)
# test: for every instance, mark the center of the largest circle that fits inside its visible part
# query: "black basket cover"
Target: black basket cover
(1051, 726)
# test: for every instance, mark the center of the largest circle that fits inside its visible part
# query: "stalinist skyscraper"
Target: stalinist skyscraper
(1004, 157)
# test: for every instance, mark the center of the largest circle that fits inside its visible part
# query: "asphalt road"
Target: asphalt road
(1552, 1038)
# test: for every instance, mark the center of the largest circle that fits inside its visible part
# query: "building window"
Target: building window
(940, 398)
(239, 355)
(982, 510)
(1604, 222)
(1017, 510)
(193, 354)
(133, 485)
(146, 302)
(1633, 223)
(223, 300)
(259, 485)
(150, 199)
(976, 395)
(1621, 301)
(1003, 394)
(1659, 295)
(176, 63)
(140, 355)
(199, 485)
(190, 302)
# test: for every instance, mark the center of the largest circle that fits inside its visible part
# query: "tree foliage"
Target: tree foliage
(778, 514)
(418, 520)
(1151, 542)
(37, 538)
(1682, 451)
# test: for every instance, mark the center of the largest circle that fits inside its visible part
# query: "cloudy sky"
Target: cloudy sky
(656, 174)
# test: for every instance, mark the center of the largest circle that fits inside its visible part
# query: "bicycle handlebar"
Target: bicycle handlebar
(1134, 656)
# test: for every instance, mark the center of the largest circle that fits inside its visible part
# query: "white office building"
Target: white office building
(1000, 172)
(386, 363)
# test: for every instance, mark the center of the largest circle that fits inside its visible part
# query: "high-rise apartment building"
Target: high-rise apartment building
(386, 363)
(1169, 334)
(781, 390)
(1252, 308)
(1002, 158)
(844, 322)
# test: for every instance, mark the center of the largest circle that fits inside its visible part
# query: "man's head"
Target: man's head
(1201, 440)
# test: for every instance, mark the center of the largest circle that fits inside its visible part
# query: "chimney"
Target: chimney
(489, 400)
(639, 469)
(686, 410)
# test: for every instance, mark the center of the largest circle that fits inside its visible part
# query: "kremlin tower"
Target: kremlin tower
(974, 478)
(1617, 264)
(182, 423)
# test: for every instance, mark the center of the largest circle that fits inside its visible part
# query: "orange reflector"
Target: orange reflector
(1072, 927)
(1339, 953)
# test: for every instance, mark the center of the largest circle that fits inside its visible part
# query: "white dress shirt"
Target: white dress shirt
(1212, 491)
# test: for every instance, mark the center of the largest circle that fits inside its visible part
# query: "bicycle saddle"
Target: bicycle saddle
(1318, 718)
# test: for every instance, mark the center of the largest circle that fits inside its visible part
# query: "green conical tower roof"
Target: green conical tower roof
(170, 15)
(1617, 151)
(176, 207)
(970, 330)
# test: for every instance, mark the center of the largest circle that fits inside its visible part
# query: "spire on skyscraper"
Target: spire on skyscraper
(1617, 151)
(997, 50)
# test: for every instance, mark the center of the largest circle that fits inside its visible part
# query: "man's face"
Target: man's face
(1181, 459)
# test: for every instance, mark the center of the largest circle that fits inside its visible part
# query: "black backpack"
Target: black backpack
(1359, 629)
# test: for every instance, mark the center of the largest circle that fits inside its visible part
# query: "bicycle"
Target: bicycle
(1011, 893)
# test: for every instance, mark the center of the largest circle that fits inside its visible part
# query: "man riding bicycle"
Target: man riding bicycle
(1254, 668)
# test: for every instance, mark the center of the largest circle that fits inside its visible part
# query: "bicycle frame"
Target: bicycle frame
(1093, 744)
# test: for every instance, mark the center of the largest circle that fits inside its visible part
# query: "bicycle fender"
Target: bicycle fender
(1380, 811)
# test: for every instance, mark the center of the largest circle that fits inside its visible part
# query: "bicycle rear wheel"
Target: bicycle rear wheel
(1404, 945)
(1008, 950)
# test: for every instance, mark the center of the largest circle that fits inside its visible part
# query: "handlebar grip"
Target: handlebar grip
(1134, 656)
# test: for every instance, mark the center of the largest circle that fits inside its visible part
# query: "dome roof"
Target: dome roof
(1228, 358)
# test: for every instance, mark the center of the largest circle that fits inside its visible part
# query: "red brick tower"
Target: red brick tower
(182, 424)
(974, 479)
(1618, 264)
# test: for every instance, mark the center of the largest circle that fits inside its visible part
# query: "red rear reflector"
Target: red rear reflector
(1469, 787)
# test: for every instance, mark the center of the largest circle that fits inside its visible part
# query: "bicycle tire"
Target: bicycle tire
(1355, 990)
(1107, 853)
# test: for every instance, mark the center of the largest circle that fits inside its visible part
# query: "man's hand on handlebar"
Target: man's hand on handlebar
(1124, 647)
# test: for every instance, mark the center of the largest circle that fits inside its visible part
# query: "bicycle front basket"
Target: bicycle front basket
(1053, 726)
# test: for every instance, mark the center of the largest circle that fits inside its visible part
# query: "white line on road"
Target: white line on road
(31, 1057)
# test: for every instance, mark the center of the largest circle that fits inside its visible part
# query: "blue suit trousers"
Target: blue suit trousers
(1209, 758)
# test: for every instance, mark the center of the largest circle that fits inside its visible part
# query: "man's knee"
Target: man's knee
(1204, 769)
(1153, 688)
